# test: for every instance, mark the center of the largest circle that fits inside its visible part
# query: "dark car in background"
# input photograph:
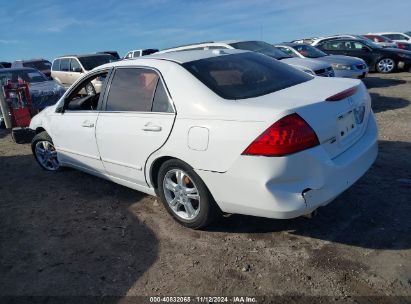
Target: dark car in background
(40, 64)
(5, 64)
(43, 91)
(112, 53)
(383, 60)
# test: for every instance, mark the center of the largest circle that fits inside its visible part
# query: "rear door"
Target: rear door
(136, 121)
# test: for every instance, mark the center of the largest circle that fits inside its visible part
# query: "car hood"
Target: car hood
(312, 64)
(341, 59)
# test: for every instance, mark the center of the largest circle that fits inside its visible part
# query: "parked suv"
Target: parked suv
(67, 69)
(383, 60)
(311, 66)
(41, 65)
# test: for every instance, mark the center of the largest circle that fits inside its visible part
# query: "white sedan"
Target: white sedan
(214, 131)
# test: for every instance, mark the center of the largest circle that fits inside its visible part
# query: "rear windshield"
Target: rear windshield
(309, 51)
(245, 75)
(29, 75)
(40, 65)
(90, 62)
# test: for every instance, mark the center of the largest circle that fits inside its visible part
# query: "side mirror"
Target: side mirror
(78, 70)
(364, 48)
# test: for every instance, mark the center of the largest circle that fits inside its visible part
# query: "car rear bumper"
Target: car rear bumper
(288, 187)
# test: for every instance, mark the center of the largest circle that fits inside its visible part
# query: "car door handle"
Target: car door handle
(150, 127)
(87, 124)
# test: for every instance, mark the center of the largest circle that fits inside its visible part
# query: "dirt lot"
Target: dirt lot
(70, 233)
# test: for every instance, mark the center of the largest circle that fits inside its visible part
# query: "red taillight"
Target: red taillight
(344, 94)
(402, 46)
(288, 135)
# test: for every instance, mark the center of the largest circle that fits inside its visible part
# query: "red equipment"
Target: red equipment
(18, 99)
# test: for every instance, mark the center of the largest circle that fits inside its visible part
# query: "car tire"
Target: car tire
(385, 65)
(178, 185)
(44, 152)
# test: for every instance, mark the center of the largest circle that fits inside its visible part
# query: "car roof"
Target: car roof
(178, 57)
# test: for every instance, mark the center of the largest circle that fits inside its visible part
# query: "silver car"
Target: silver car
(344, 66)
(311, 66)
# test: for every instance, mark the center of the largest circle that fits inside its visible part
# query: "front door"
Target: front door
(136, 121)
(73, 128)
(357, 49)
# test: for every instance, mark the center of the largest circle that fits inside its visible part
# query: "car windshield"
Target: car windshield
(90, 62)
(29, 75)
(245, 75)
(309, 51)
(261, 47)
(371, 44)
(40, 65)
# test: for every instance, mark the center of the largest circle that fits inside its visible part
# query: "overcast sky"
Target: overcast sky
(50, 28)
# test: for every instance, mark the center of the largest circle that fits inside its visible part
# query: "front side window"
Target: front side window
(245, 75)
(136, 54)
(357, 46)
(65, 65)
(132, 89)
(85, 96)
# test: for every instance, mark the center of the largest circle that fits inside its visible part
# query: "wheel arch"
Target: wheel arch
(39, 130)
(155, 167)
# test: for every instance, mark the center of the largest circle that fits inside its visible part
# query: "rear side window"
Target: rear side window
(161, 103)
(56, 65)
(132, 90)
(65, 65)
(334, 46)
(75, 65)
(245, 75)
(38, 65)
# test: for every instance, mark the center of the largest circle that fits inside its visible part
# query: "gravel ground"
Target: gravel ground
(69, 233)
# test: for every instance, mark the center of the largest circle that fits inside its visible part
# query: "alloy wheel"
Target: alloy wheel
(181, 194)
(46, 155)
(386, 65)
